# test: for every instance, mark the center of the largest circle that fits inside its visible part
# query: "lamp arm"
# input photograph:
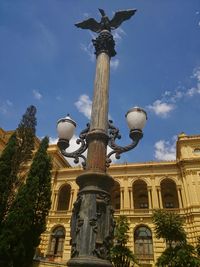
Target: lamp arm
(113, 134)
(63, 144)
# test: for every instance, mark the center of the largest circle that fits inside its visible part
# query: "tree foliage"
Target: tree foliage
(27, 216)
(16, 153)
(180, 256)
(198, 246)
(178, 253)
(6, 175)
(25, 134)
(121, 255)
(169, 225)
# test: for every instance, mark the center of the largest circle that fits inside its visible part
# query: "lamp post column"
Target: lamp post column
(97, 137)
(92, 222)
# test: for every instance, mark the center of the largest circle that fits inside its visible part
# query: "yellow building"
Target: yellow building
(139, 188)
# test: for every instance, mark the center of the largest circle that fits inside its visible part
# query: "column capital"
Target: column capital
(121, 189)
(104, 43)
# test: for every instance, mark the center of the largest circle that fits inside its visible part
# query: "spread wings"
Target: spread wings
(121, 16)
(90, 24)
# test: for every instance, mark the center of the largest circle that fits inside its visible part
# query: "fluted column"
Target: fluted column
(155, 201)
(71, 199)
(122, 198)
(179, 197)
(159, 197)
(131, 197)
(55, 201)
(149, 197)
(126, 194)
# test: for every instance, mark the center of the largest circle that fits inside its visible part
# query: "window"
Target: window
(169, 194)
(197, 151)
(140, 195)
(169, 205)
(144, 205)
(64, 198)
(57, 242)
(143, 244)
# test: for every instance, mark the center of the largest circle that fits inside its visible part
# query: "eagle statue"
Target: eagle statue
(106, 23)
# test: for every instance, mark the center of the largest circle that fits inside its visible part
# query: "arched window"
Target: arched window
(169, 194)
(143, 244)
(115, 196)
(57, 241)
(196, 151)
(140, 195)
(64, 197)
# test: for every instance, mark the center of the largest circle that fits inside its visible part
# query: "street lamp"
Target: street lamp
(92, 222)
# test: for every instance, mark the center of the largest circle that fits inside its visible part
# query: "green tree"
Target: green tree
(17, 152)
(169, 225)
(121, 255)
(27, 216)
(198, 246)
(179, 253)
(6, 174)
(25, 134)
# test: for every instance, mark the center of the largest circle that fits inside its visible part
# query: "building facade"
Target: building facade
(139, 189)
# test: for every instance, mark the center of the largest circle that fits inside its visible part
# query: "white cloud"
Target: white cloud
(118, 34)
(196, 74)
(169, 99)
(114, 63)
(89, 50)
(193, 91)
(166, 93)
(176, 96)
(196, 89)
(5, 106)
(86, 15)
(37, 95)
(9, 103)
(84, 105)
(53, 140)
(160, 108)
(3, 109)
(165, 150)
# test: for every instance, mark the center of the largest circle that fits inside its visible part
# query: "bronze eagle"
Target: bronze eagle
(106, 23)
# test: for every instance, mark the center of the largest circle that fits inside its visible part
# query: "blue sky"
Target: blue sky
(48, 62)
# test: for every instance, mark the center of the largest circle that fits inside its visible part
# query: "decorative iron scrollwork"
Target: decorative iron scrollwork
(63, 144)
(113, 134)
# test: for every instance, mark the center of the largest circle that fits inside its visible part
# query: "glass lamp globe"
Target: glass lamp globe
(65, 128)
(136, 118)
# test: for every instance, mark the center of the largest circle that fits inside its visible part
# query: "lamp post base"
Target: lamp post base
(92, 222)
(88, 261)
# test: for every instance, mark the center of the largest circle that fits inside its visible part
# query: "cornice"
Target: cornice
(188, 137)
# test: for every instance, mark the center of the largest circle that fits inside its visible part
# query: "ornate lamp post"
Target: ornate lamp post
(92, 222)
